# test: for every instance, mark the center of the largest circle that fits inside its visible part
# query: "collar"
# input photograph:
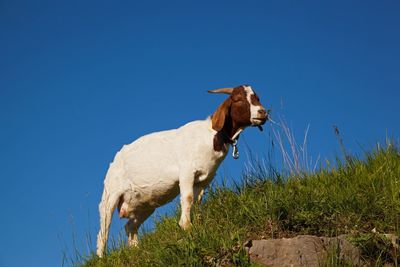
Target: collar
(235, 151)
(233, 142)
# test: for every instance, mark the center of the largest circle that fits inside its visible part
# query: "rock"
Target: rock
(302, 250)
(343, 249)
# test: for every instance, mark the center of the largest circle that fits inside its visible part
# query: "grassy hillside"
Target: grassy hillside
(353, 197)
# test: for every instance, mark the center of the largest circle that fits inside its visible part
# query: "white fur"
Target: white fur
(151, 171)
(253, 108)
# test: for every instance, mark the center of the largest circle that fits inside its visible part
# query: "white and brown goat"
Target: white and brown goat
(152, 170)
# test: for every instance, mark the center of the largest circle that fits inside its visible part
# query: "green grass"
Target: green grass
(353, 197)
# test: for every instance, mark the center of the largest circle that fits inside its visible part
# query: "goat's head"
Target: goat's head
(241, 109)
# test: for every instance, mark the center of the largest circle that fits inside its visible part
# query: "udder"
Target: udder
(123, 208)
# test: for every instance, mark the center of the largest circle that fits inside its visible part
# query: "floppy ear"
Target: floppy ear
(218, 118)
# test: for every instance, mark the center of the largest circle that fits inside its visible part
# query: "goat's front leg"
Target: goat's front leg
(186, 184)
(198, 193)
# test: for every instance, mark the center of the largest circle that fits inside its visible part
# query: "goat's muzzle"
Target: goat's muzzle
(261, 119)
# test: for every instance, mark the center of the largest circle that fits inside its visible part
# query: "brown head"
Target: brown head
(241, 109)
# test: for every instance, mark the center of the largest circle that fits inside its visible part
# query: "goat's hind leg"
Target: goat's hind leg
(132, 226)
(131, 229)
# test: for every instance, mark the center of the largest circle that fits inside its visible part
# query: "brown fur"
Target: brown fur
(218, 118)
(255, 100)
(232, 114)
(189, 199)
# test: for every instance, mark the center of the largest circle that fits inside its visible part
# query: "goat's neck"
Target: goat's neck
(227, 135)
(232, 130)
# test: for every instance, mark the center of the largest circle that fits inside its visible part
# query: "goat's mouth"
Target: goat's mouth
(258, 121)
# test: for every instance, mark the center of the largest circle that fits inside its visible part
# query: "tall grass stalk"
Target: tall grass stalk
(296, 159)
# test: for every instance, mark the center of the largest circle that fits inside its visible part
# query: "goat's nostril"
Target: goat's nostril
(262, 111)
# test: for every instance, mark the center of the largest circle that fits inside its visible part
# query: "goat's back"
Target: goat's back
(157, 159)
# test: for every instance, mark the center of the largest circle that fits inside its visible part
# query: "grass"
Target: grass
(353, 197)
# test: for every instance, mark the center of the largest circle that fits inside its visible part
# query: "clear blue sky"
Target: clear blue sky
(79, 79)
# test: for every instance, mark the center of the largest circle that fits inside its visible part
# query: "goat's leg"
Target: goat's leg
(186, 187)
(198, 192)
(132, 226)
(131, 229)
(106, 208)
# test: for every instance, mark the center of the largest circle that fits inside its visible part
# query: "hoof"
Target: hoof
(185, 225)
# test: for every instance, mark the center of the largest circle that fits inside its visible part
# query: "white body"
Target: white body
(152, 170)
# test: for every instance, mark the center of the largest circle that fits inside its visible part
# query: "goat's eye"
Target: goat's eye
(237, 98)
(255, 98)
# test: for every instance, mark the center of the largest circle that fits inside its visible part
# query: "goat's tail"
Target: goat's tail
(107, 206)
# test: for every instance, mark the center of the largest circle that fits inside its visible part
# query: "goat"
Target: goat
(152, 170)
